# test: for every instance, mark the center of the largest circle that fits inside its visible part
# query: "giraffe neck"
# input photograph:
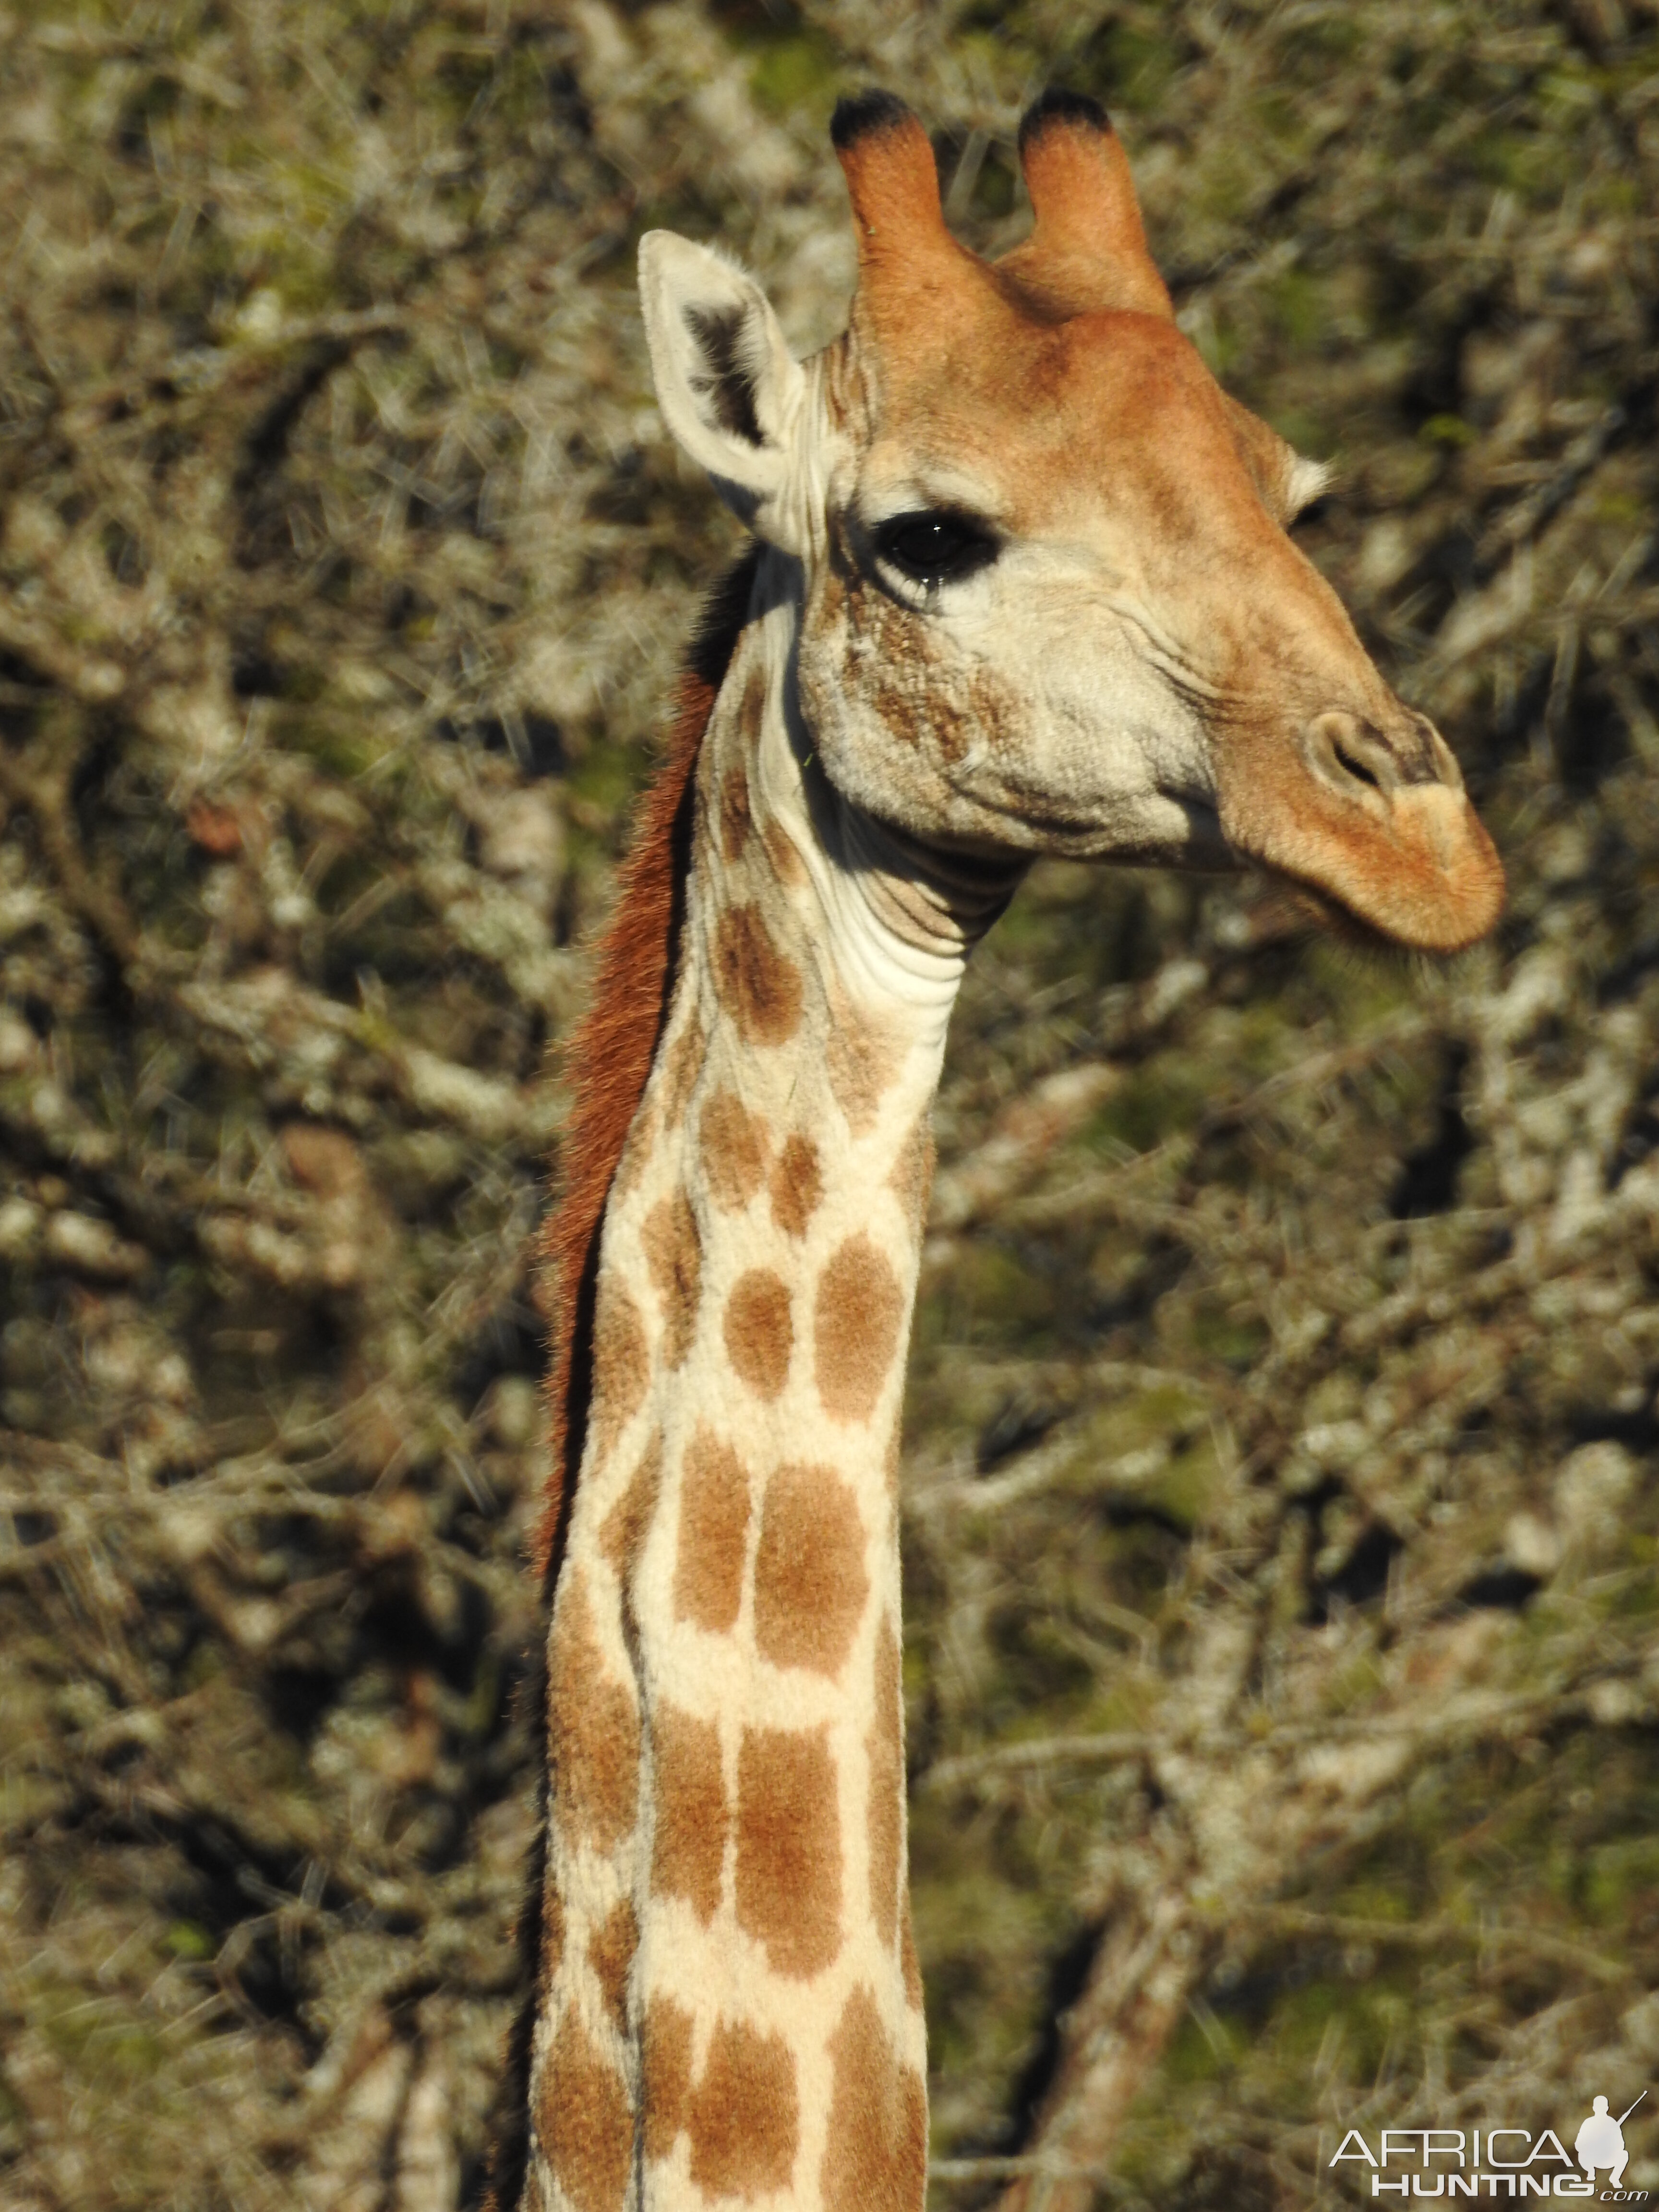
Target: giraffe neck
(730, 2006)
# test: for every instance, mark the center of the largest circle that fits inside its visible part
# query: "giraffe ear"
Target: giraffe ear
(728, 387)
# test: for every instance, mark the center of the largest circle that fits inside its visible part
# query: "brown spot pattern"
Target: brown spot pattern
(743, 2119)
(734, 814)
(884, 1749)
(760, 1336)
(892, 1460)
(593, 1727)
(758, 987)
(860, 1065)
(622, 1533)
(876, 2158)
(782, 850)
(641, 1143)
(673, 1253)
(611, 1949)
(665, 2071)
(687, 1848)
(734, 1149)
(855, 1329)
(752, 711)
(797, 1185)
(621, 1362)
(909, 1965)
(911, 1177)
(713, 1528)
(552, 1932)
(583, 2120)
(788, 1860)
(681, 1064)
(810, 1579)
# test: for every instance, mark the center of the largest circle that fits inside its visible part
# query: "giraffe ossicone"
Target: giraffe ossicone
(1021, 584)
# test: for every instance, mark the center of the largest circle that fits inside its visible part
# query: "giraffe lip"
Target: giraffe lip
(1416, 868)
(1208, 845)
(1321, 909)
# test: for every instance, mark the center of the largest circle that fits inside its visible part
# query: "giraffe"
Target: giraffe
(1021, 583)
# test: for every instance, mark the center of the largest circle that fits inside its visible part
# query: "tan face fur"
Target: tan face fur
(1135, 662)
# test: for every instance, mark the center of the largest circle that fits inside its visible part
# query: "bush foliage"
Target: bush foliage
(1281, 1522)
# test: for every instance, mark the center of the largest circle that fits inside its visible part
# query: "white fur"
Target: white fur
(678, 283)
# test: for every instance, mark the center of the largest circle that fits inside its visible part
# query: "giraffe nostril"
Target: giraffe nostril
(1352, 757)
(1349, 758)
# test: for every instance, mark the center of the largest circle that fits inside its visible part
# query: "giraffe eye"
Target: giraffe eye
(936, 547)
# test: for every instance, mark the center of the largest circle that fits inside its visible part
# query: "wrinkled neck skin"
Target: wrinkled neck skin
(730, 2005)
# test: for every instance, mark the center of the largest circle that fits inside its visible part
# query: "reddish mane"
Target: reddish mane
(611, 1053)
(610, 1057)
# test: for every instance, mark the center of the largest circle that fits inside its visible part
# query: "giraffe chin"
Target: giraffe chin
(1439, 930)
(1414, 869)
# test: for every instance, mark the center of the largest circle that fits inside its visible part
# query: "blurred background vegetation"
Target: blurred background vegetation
(1281, 1520)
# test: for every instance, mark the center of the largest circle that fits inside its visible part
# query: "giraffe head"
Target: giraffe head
(1049, 600)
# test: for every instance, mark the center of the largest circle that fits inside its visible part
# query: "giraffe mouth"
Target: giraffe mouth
(1426, 879)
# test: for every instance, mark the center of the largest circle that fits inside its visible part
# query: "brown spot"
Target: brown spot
(859, 1062)
(552, 1931)
(788, 1868)
(909, 1965)
(745, 2121)
(810, 1579)
(735, 822)
(759, 1334)
(751, 713)
(884, 1749)
(622, 1532)
(855, 1329)
(734, 1149)
(894, 702)
(784, 853)
(583, 2120)
(797, 1185)
(610, 1951)
(876, 2158)
(665, 2071)
(687, 1848)
(622, 1363)
(593, 1727)
(758, 987)
(641, 1144)
(714, 1527)
(681, 1063)
(673, 1253)
(912, 1176)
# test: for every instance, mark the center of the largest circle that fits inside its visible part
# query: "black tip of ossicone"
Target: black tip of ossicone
(1058, 105)
(858, 114)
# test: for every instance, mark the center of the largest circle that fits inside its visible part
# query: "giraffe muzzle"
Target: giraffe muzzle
(1374, 819)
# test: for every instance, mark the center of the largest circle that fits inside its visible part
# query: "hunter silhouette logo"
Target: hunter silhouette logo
(1499, 2161)
(1600, 2142)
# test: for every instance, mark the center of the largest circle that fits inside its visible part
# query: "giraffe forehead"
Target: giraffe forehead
(1034, 425)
